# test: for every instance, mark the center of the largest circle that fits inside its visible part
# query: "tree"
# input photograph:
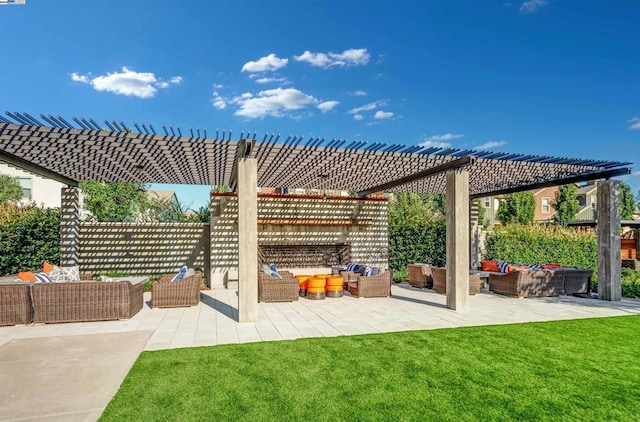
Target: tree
(114, 201)
(627, 202)
(415, 209)
(566, 203)
(519, 207)
(10, 189)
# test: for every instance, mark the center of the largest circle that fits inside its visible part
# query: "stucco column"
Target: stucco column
(69, 226)
(474, 236)
(609, 262)
(247, 240)
(458, 240)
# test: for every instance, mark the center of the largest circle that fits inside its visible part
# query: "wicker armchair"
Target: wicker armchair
(274, 289)
(420, 276)
(575, 280)
(15, 304)
(528, 283)
(374, 286)
(186, 292)
(85, 301)
(440, 281)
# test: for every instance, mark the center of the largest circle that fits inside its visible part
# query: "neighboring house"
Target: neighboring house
(35, 188)
(490, 206)
(545, 198)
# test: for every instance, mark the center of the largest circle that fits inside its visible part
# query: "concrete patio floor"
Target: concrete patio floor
(71, 371)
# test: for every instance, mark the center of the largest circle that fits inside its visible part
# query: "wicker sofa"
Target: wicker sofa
(374, 286)
(186, 292)
(541, 283)
(85, 301)
(15, 304)
(420, 276)
(440, 281)
(274, 289)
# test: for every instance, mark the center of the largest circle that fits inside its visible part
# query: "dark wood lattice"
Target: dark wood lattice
(304, 255)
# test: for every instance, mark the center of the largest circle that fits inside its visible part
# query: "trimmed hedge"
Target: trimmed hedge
(423, 242)
(630, 283)
(29, 235)
(534, 244)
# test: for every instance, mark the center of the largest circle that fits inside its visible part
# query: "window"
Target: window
(593, 199)
(25, 184)
(487, 201)
(546, 207)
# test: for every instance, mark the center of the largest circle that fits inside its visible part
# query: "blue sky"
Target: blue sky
(545, 77)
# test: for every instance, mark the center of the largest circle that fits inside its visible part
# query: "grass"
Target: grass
(562, 371)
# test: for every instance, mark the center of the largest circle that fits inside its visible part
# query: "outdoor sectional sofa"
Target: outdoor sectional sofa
(420, 276)
(440, 281)
(15, 304)
(541, 283)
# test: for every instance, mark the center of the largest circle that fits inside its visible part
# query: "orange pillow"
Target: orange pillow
(46, 267)
(27, 276)
(512, 268)
(489, 266)
(551, 266)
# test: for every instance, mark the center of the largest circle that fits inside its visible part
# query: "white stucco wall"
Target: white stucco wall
(43, 191)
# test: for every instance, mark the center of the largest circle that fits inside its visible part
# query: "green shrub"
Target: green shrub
(29, 235)
(630, 283)
(543, 244)
(424, 242)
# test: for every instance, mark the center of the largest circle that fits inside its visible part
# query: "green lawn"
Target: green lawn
(564, 370)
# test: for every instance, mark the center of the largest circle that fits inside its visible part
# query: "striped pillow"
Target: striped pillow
(368, 272)
(275, 274)
(42, 278)
(350, 266)
(503, 266)
(535, 266)
(273, 268)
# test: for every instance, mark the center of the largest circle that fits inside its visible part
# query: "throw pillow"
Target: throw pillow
(47, 267)
(490, 266)
(27, 276)
(275, 274)
(535, 266)
(349, 266)
(368, 272)
(375, 271)
(64, 274)
(273, 267)
(503, 266)
(266, 269)
(42, 278)
(180, 275)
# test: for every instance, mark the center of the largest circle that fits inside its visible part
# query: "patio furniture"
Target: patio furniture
(374, 286)
(15, 304)
(528, 283)
(420, 276)
(85, 301)
(440, 281)
(168, 294)
(274, 289)
(575, 280)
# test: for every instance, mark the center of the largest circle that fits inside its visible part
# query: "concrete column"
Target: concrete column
(458, 240)
(69, 226)
(474, 226)
(609, 262)
(247, 240)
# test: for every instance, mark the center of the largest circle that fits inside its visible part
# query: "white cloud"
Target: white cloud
(351, 57)
(269, 80)
(265, 64)
(218, 86)
(532, 6)
(327, 106)
(128, 82)
(358, 117)
(491, 144)
(79, 78)
(273, 102)
(436, 144)
(445, 137)
(634, 123)
(218, 102)
(381, 115)
(367, 107)
(359, 93)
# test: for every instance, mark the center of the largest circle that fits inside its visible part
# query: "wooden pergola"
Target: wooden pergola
(85, 150)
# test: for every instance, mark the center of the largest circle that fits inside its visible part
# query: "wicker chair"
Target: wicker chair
(528, 283)
(440, 281)
(15, 304)
(85, 301)
(274, 289)
(186, 292)
(575, 280)
(420, 276)
(374, 286)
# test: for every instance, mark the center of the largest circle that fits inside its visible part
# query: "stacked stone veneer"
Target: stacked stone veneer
(143, 248)
(297, 221)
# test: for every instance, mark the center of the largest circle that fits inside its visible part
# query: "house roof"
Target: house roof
(161, 194)
(82, 152)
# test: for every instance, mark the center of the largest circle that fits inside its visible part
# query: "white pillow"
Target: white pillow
(64, 274)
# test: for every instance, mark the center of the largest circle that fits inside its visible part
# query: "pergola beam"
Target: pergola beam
(36, 169)
(585, 177)
(449, 165)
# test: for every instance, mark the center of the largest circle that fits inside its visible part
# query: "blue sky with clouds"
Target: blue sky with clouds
(540, 76)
